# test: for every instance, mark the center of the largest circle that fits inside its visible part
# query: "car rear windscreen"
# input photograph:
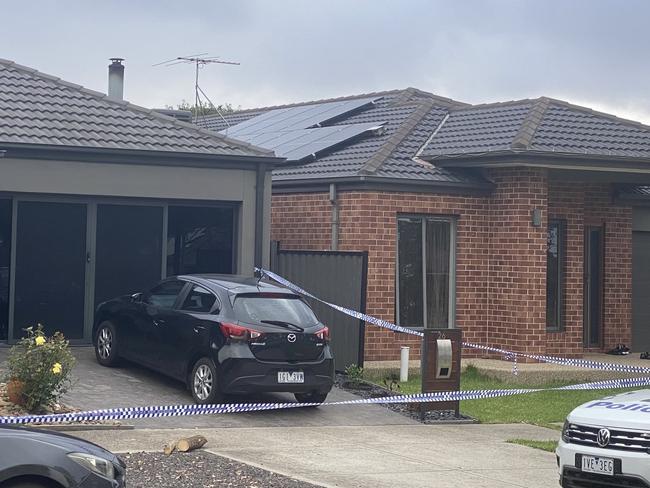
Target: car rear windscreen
(255, 308)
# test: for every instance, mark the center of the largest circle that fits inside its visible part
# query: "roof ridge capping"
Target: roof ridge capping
(123, 103)
(524, 137)
(405, 94)
(372, 165)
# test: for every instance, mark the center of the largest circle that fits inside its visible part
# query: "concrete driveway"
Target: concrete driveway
(354, 446)
(130, 385)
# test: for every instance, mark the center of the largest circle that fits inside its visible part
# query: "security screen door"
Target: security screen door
(128, 250)
(50, 274)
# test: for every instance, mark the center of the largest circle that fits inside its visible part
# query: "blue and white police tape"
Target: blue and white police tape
(187, 410)
(509, 355)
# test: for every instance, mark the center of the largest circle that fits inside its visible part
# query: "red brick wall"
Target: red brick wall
(368, 221)
(500, 256)
(517, 284)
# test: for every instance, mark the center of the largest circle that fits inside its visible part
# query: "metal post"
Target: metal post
(404, 364)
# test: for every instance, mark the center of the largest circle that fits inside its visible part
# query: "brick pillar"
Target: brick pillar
(517, 271)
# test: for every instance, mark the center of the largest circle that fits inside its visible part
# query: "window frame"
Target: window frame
(424, 218)
(560, 293)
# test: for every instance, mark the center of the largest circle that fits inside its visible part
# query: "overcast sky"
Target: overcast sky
(590, 52)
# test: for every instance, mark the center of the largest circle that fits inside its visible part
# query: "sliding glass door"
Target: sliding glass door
(50, 275)
(129, 249)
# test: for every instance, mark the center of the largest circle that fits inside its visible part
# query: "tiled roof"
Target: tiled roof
(408, 116)
(38, 109)
(537, 126)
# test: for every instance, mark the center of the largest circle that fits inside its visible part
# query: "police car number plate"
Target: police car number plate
(593, 464)
(291, 377)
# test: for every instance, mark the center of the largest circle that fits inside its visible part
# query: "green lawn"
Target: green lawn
(543, 445)
(543, 408)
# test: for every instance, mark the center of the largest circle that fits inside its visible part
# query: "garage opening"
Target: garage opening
(200, 240)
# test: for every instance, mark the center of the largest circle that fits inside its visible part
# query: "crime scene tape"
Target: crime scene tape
(187, 410)
(511, 355)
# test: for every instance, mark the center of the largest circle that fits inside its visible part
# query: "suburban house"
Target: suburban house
(522, 222)
(99, 198)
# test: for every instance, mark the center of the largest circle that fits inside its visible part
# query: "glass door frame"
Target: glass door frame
(91, 203)
(588, 284)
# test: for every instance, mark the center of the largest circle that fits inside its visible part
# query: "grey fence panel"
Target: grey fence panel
(337, 277)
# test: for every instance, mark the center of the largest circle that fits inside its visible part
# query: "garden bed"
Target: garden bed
(366, 389)
(8, 409)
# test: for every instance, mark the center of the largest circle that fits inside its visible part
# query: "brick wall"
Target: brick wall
(500, 256)
(368, 221)
(517, 312)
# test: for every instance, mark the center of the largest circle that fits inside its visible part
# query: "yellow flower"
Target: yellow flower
(40, 340)
(56, 369)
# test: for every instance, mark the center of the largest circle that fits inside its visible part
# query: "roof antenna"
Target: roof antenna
(199, 62)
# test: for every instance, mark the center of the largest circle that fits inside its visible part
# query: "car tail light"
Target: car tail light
(323, 334)
(238, 333)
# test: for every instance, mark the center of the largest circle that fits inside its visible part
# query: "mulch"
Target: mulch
(365, 389)
(199, 469)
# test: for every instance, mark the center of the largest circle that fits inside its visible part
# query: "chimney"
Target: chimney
(116, 79)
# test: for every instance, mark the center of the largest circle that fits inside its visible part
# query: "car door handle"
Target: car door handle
(198, 328)
(158, 322)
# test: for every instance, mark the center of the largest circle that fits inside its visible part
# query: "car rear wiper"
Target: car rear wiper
(283, 323)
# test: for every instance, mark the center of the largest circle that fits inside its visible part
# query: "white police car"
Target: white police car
(606, 443)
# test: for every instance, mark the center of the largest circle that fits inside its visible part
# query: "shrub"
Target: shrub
(42, 367)
(354, 374)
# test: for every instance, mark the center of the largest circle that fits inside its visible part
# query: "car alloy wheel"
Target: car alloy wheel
(104, 343)
(203, 382)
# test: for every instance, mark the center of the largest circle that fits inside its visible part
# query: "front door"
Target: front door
(593, 287)
(51, 261)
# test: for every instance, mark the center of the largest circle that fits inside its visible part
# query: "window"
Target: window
(425, 272)
(200, 240)
(164, 295)
(199, 300)
(255, 308)
(555, 264)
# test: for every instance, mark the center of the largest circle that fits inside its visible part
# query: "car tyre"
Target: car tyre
(106, 344)
(311, 397)
(204, 383)
(28, 484)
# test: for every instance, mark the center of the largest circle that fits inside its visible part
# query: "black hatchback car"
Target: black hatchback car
(220, 335)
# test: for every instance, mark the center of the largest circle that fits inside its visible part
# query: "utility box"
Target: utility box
(441, 354)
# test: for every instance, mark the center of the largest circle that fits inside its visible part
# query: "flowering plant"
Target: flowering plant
(42, 367)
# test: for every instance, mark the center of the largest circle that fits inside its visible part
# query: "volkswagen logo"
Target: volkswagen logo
(292, 338)
(603, 437)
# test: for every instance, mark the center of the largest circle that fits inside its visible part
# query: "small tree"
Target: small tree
(205, 109)
(42, 367)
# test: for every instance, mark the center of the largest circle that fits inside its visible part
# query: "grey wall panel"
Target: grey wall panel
(337, 277)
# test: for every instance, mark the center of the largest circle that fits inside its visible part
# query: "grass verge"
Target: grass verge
(548, 446)
(547, 408)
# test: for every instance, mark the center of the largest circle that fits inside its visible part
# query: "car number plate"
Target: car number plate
(291, 377)
(593, 464)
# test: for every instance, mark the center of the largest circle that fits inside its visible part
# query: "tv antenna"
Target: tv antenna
(199, 60)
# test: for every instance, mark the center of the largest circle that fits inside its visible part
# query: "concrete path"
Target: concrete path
(414, 456)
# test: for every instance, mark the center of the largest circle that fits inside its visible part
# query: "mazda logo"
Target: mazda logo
(603, 437)
(291, 337)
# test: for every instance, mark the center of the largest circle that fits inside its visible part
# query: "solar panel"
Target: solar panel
(296, 145)
(300, 117)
